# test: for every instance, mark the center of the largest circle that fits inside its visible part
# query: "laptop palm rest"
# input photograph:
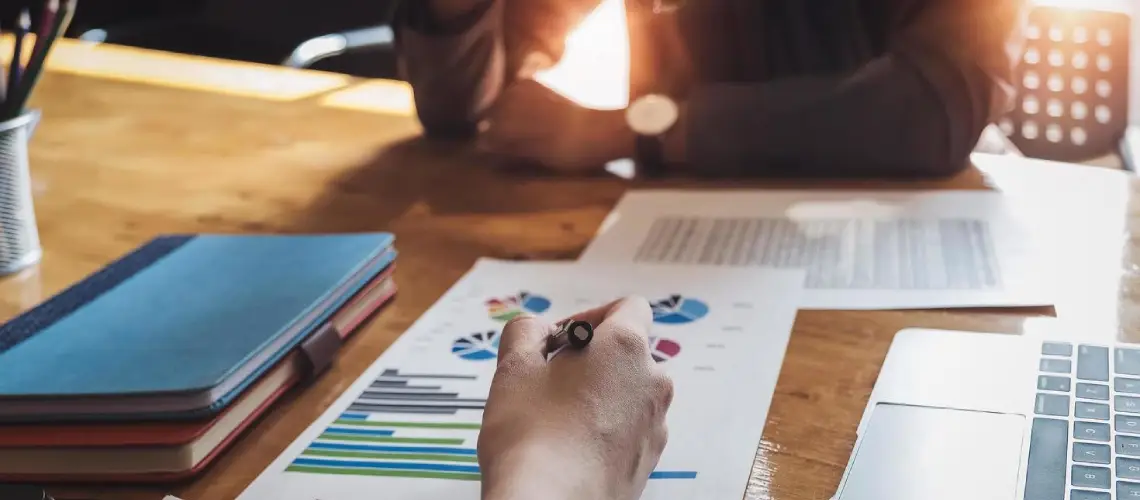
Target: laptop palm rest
(914, 452)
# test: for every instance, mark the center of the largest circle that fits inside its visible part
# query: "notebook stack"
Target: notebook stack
(148, 369)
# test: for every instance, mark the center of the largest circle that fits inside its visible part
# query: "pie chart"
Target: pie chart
(477, 346)
(505, 308)
(663, 350)
(678, 309)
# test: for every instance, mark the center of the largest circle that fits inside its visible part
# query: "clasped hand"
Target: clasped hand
(531, 123)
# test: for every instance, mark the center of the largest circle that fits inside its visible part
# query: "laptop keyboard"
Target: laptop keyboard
(1085, 441)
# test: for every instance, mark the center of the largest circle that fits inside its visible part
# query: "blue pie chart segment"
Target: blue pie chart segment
(477, 346)
(678, 309)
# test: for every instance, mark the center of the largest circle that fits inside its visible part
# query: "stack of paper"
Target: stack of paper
(860, 249)
(409, 425)
(725, 272)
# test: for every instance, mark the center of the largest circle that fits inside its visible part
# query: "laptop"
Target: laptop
(959, 415)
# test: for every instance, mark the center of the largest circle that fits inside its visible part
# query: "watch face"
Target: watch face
(652, 115)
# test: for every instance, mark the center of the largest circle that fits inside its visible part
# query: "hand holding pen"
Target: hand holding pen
(586, 424)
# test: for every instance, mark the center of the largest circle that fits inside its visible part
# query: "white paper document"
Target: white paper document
(860, 249)
(407, 428)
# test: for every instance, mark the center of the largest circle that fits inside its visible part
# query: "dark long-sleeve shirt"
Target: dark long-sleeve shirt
(820, 87)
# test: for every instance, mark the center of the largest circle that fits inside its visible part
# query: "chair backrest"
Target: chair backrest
(296, 20)
(1073, 83)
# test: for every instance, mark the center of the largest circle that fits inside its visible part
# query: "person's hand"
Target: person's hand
(589, 423)
(533, 124)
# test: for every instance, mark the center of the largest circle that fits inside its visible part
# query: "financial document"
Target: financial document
(407, 428)
(859, 249)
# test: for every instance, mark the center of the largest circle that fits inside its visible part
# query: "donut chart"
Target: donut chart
(663, 350)
(506, 308)
(678, 309)
(479, 346)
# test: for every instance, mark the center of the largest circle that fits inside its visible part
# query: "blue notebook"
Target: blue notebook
(179, 327)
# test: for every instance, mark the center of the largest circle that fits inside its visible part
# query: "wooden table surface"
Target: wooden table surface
(134, 144)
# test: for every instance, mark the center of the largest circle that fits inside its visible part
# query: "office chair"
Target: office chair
(1073, 86)
(374, 39)
(297, 33)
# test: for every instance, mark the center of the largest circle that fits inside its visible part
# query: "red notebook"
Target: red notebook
(161, 451)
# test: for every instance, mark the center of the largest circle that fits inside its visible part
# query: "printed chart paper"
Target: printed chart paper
(407, 428)
(860, 249)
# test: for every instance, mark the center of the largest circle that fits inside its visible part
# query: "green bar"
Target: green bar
(434, 457)
(419, 425)
(459, 476)
(389, 439)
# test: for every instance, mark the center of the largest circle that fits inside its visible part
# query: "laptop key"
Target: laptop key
(1056, 405)
(1092, 411)
(1127, 404)
(1127, 468)
(1088, 453)
(1090, 495)
(1048, 457)
(1058, 384)
(1092, 363)
(1091, 431)
(1057, 349)
(1091, 391)
(1128, 423)
(1127, 361)
(1054, 365)
(1127, 491)
(1127, 385)
(1128, 446)
(1090, 477)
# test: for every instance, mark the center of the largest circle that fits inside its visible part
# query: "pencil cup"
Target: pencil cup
(19, 234)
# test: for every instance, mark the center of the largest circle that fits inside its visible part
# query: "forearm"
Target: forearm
(451, 53)
(546, 471)
(887, 118)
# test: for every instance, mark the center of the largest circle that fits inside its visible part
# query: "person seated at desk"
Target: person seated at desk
(821, 87)
(585, 424)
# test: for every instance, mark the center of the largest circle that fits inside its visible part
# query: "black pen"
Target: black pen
(16, 68)
(576, 334)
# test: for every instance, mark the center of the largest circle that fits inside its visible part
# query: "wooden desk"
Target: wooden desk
(130, 148)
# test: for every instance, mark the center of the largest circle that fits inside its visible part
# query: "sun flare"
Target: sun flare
(594, 69)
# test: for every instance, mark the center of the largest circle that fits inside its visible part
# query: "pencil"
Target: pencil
(19, 96)
(3, 86)
(15, 69)
(47, 19)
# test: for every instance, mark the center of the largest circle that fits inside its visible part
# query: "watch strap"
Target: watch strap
(650, 152)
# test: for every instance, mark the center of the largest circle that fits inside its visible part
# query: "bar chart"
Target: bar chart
(409, 425)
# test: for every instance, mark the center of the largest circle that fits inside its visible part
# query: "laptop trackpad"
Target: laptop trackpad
(911, 452)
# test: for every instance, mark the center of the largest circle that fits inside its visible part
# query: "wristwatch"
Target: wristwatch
(651, 117)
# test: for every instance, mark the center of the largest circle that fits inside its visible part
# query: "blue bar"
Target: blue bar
(354, 416)
(361, 464)
(359, 432)
(665, 474)
(318, 445)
